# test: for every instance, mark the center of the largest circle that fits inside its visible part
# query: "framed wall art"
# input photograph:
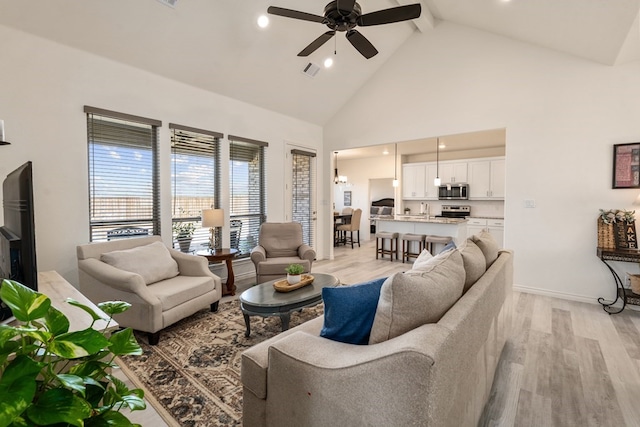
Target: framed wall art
(347, 198)
(626, 165)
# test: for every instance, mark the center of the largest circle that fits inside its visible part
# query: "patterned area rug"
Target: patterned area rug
(194, 372)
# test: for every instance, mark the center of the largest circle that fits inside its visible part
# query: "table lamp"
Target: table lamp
(213, 218)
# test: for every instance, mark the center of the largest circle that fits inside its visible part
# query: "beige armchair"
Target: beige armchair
(280, 244)
(161, 284)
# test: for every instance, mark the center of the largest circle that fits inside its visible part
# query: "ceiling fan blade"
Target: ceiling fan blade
(361, 43)
(346, 5)
(317, 43)
(389, 16)
(288, 13)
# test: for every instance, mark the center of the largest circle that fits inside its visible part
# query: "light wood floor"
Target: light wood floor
(566, 364)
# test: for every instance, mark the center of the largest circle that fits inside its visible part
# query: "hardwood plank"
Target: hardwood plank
(533, 410)
(629, 334)
(599, 394)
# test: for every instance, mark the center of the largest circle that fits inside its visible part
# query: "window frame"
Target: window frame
(124, 131)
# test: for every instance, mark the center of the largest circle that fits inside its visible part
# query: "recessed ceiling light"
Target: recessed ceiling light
(328, 62)
(263, 21)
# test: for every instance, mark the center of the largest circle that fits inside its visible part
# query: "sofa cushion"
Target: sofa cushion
(474, 262)
(153, 262)
(280, 239)
(349, 311)
(418, 297)
(487, 245)
(180, 289)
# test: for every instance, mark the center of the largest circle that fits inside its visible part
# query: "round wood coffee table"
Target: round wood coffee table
(263, 300)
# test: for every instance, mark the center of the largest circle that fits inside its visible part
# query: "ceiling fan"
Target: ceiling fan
(345, 15)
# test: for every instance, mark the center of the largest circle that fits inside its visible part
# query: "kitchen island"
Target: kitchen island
(417, 224)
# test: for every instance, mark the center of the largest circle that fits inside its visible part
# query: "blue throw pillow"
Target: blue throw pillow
(349, 311)
(450, 245)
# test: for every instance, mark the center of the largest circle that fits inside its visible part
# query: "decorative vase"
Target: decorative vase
(293, 279)
(185, 243)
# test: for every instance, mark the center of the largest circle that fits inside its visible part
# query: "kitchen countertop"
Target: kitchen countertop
(486, 217)
(423, 218)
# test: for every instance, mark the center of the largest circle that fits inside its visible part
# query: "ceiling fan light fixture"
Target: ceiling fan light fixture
(344, 16)
(263, 21)
(328, 63)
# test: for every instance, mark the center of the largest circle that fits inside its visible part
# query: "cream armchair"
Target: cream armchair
(280, 244)
(162, 284)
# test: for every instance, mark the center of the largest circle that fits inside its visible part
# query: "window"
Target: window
(247, 197)
(195, 183)
(123, 175)
(303, 193)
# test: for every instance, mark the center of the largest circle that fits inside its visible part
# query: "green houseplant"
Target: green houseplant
(294, 272)
(50, 376)
(184, 233)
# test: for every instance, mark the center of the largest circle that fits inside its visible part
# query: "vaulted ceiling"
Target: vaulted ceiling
(217, 46)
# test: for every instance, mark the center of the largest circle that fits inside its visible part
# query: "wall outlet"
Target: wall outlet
(529, 203)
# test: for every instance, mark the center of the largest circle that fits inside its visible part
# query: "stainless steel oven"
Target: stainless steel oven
(455, 211)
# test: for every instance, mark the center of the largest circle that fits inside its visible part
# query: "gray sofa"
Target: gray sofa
(162, 284)
(436, 374)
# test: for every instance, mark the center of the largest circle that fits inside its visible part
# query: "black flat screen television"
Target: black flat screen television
(17, 235)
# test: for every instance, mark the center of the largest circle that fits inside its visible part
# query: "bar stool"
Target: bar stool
(431, 241)
(393, 244)
(407, 238)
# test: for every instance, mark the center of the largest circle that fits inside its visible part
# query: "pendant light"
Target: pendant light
(395, 165)
(336, 178)
(437, 181)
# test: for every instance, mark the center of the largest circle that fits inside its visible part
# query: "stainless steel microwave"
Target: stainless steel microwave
(453, 192)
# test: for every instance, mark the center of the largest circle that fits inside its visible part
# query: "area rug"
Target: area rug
(194, 372)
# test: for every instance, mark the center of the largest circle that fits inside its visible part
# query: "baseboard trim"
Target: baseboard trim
(565, 296)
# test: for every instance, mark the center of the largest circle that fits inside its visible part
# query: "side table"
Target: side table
(226, 255)
(622, 294)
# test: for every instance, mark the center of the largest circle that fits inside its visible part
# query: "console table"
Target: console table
(622, 294)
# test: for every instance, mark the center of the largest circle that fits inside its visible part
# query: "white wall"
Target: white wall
(43, 88)
(359, 172)
(562, 115)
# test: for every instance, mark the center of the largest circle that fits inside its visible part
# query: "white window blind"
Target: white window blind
(247, 192)
(123, 175)
(195, 183)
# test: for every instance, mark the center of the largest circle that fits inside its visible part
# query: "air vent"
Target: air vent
(170, 3)
(311, 69)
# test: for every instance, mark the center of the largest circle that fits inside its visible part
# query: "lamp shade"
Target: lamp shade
(212, 217)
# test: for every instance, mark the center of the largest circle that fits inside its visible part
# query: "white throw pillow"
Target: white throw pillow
(418, 297)
(422, 262)
(153, 262)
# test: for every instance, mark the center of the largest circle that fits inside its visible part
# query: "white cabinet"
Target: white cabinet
(431, 191)
(454, 172)
(494, 226)
(413, 181)
(486, 179)
(475, 226)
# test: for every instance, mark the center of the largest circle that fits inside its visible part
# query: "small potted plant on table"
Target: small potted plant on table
(184, 233)
(294, 273)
